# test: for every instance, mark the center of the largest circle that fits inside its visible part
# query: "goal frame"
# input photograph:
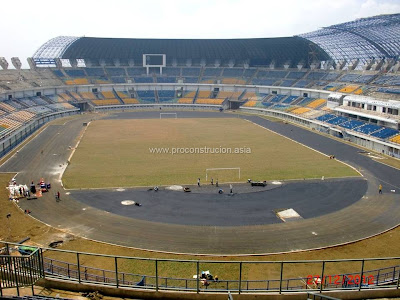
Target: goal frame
(176, 115)
(215, 169)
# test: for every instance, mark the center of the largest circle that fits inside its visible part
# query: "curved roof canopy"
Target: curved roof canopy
(255, 52)
(364, 39)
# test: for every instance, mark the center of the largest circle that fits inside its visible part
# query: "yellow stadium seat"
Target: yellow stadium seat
(185, 100)
(203, 94)
(209, 101)
(316, 103)
(122, 95)
(88, 96)
(130, 100)
(250, 103)
(106, 102)
(349, 88)
(396, 139)
(190, 94)
(108, 95)
(300, 110)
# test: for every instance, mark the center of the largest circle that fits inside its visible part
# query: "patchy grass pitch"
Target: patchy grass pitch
(116, 153)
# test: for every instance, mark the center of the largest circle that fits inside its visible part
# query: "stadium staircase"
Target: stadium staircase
(250, 80)
(118, 97)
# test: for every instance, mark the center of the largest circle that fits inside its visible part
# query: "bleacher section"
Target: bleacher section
(87, 95)
(385, 133)
(395, 139)
(349, 88)
(209, 101)
(300, 110)
(232, 72)
(352, 124)
(147, 96)
(77, 81)
(203, 94)
(368, 128)
(165, 96)
(316, 103)
(143, 79)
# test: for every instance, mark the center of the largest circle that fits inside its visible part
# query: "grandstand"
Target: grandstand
(352, 95)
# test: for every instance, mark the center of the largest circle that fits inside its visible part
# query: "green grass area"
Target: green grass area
(116, 153)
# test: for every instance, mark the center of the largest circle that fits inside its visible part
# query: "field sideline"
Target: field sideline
(263, 155)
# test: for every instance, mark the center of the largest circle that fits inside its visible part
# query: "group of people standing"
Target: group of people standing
(220, 191)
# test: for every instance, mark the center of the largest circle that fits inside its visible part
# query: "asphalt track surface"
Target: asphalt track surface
(333, 211)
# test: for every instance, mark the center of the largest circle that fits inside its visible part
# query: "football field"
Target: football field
(149, 152)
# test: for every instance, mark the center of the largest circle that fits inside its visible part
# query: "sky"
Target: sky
(26, 25)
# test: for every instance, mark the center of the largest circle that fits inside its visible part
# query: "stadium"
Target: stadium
(205, 168)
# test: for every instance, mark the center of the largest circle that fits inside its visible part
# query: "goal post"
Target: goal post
(219, 170)
(171, 114)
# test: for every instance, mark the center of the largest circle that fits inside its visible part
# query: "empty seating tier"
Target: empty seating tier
(130, 100)
(88, 96)
(185, 100)
(316, 103)
(300, 110)
(209, 101)
(385, 133)
(106, 102)
(349, 88)
(77, 81)
(352, 124)
(396, 139)
(368, 128)
(108, 95)
(203, 94)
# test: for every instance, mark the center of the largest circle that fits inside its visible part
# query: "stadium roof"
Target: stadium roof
(362, 39)
(255, 52)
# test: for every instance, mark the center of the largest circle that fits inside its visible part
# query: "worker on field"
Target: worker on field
(380, 189)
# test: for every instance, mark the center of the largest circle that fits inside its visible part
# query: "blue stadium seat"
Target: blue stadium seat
(289, 99)
(325, 117)
(143, 79)
(190, 79)
(389, 91)
(95, 72)
(248, 73)
(58, 73)
(232, 72)
(191, 72)
(136, 71)
(277, 98)
(256, 81)
(296, 74)
(215, 72)
(287, 82)
(75, 73)
(368, 128)
(116, 71)
(316, 75)
(146, 94)
(166, 79)
(385, 133)
(118, 79)
(166, 94)
(172, 71)
(302, 83)
(352, 124)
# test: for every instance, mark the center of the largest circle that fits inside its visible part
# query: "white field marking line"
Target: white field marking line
(305, 146)
(72, 153)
